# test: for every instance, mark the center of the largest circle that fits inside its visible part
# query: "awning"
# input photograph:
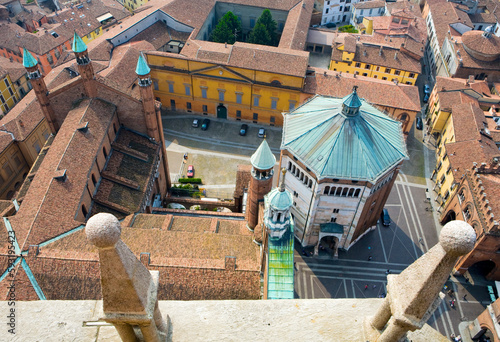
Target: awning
(331, 227)
(104, 17)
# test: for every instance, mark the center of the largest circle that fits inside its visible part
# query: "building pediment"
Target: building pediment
(221, 72)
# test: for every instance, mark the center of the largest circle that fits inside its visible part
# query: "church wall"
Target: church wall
(63, 101)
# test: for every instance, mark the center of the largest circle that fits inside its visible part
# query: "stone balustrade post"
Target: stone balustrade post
(414, 294)
(129, 290)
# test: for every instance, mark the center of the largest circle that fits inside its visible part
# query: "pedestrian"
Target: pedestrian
(366, 287)
(374, 286)
(465, 296)
(370, 258)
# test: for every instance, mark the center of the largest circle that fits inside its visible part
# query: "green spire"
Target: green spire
(351, 103)
(28, 60)
(263, 158)
(142, 68)
(78, 44)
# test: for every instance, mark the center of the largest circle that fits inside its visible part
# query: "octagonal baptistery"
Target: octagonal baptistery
(343, 156)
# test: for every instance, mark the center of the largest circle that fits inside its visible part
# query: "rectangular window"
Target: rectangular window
(377, 69)
(204, 93)
(11, 92)
(358, 65)
(326, 11)
(57, 53)
(239, 98)
(272, 120)
(291, 105)
(412, 75)
(221, 95)
(170, 87)
(188, 106)
(256, 100)
(238, 115)
(155, 84)
(17, 160)
(255, 117)
(367, 66)
(387, 70)
(252, 22)
(187, 89)
(36, 146)
(205, 109)
(274, 103)
(49, 58)
(7, 169)
(6, 82)
(397, 72)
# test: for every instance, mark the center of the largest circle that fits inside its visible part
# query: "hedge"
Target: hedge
(190, 180)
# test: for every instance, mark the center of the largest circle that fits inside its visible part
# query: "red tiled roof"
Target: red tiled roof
(377, 92)
(49, 207)
(467, 121)
(462, 154)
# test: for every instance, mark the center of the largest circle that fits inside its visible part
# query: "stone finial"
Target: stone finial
(413, 295)
(103, 230)
(129, 290)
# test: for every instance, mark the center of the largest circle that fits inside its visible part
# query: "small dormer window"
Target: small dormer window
(55, 35)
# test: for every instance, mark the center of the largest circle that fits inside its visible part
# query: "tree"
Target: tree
(226, 28)
(259, 35)
(267, 20)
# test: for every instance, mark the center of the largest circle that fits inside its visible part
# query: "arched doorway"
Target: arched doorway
(404, 119)
(328, 246)
(221, 112)
(450, 216)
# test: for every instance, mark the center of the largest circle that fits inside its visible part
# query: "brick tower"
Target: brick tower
(261, 181)
(38, 84)
(84, 65)
(152, 113)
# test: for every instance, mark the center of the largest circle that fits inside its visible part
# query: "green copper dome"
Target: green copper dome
(263, 158)
(28, 60)
(78, 44)
(280, 200)
(363, 146)
(142, 68)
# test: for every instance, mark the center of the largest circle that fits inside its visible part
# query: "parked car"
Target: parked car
(427, 89)
(196, 123)
(243, 129)
(426, 98)
(262, 132)
(420, 124)
(204, 124)
(385, 219)
(330, 25)
(190, 171)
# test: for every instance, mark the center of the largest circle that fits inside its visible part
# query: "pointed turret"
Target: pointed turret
(28, 60)
(85, 67)
(40, 88)
(261, 181)
(152, 113)
(78, 44)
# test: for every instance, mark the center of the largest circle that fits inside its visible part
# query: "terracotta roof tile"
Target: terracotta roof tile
(43, 215)
(390, 57)
(467, 121)
(369, 4)
(445, 13)
(377, 92)
(14, 69)
(463, 154)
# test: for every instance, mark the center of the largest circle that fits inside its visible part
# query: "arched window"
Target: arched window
(310, 183)
(289, 165)
(293, 169)
(302, 176)
(356, 193)
(339, 191)
(344, 192)
(278, 218)
(327, 190)
(351, 192)
(84, 211)
(332, 191)
(306, 179)
(94, 181)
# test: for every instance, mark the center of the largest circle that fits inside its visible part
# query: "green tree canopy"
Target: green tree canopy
(225, 30)
(259, 35)
(267, 20)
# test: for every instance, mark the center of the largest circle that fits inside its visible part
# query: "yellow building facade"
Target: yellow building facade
(223, 91)
(349, 64)
(92, 35)
(8, 94)
(443, 174)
